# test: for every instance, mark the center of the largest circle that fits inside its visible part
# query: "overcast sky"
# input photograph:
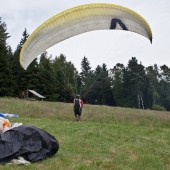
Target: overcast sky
(109, 47)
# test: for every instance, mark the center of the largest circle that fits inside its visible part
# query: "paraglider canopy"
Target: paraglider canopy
(78, 20)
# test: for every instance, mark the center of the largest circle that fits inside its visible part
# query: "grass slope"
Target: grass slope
(106, 138)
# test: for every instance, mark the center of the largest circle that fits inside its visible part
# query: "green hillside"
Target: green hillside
(106, 138)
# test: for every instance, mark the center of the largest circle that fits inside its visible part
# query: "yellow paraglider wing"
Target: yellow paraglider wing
(78, 20)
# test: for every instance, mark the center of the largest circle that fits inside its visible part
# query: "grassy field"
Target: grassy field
(110, 138)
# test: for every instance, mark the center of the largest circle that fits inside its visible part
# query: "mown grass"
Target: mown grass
(106, 138)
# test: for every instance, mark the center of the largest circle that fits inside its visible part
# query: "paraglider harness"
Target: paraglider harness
(77, 105)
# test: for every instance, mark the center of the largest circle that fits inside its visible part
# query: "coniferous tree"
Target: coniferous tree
(164, 87)
(153, 86)
(65, 76)
(19, 73)
(97, 87)
(31, 76)
(102, 92)
(117, 74)
(46, 81)
(5, 62)
(3, 35)
(87, 80)
(134, 84)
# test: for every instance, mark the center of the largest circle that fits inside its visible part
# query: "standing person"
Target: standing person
(77, 107)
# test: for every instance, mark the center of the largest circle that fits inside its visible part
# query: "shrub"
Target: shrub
(158, 107)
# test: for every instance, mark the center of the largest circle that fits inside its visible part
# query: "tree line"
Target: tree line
(57, 79)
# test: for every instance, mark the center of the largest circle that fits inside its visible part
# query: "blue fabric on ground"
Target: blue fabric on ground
(8, 115)
(1, 115)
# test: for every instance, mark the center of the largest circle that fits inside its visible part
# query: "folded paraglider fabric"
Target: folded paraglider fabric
(30, 142)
